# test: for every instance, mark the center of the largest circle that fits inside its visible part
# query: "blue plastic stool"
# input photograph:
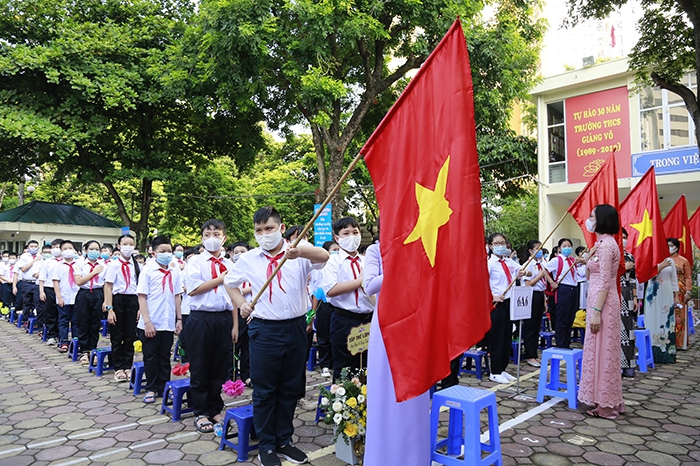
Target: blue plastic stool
(547, 336)
(319, 412)
(578, 334)
(20, 316)
(465, 364)
(465, 405)
(176, 393)
(243, 416)
(13, 315)
(44, 334)
(645, 355)
(573, 359)
(514, 351)
(691, 322)
(545, 324)
(73, 349)
(138, 377)
(313, 360)
(30, 326)
(176, 354)
(105, 327)
(100, 361)
(640, 321)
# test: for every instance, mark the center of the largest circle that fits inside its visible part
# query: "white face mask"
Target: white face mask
(672, 249)
(68, 253)
(56, 252)
(269, 241)
(350, 243)
(212, 244)
(624, 243)
(5, 259)
(591, 225)
(127, 251)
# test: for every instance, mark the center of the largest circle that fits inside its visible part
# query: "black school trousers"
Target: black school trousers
(500, 337)
(342, 322)
(567, 305)
(50, 313)
(532, 326)
(156, 359)
(123, 333)
(88, 311)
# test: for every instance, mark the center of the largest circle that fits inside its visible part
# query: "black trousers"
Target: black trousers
(452, 379)
(123, 334)
(88, 310)
(500, 337)
(277, 357)
(552, 306)
(567, 305)
(243, 349)
(50, 314)
(156, 359)
(8, 299)
(182, 338)
(532, 326)
(30, 297)
(209, 347)
(18, 297)
(341, 325)
(323, 335)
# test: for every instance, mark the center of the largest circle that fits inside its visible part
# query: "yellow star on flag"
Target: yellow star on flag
(434, 212)
(682, 239)
(645, 228)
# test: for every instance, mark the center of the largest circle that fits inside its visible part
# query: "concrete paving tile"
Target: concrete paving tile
(55, 453)
(653, 457)
(603, 459)
(163, 456)
(217, 457)
(41, 432)
(616, 448)
(548, 459)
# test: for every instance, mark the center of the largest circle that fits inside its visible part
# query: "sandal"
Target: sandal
(85, 359)
(204, 427)
(248, 383)
(150, 398)
(121, 376)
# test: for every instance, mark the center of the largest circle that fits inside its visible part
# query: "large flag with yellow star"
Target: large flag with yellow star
(694, 227)
(676, 226)
(435, 299)
(641, 216)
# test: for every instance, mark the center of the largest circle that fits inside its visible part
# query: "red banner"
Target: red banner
(597, 124)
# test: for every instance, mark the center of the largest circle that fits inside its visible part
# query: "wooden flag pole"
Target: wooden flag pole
(573, 265)
(308, 226)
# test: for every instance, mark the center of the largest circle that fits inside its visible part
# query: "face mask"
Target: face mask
(47, 255)
(12, 261)
(105, 255)
(501, 251)
(33, 250)
(624, 243)
(212, 244)
(350, 243)
(590, 225)
(334, 252)
(127, 251)
(178, 254)
(5, 259)
(539, 254)
(56, 252)
(269, 241)
(93, 255)
(68, 253)
(566, 252)
(236, 256)
(672, 249)
(164, 258)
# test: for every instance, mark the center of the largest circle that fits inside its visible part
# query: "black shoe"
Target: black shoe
(628, 373)
(269, 458)
(293, 454)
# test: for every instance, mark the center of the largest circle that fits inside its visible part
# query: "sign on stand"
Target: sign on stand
(358, 339)
(323, 226)
(521, 303)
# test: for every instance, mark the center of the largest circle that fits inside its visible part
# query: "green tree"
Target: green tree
(668, 47)
(516, 217)
(324, 63)
(89, 87)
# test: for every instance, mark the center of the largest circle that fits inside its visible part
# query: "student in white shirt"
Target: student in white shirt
(5, 283)
(563, 271)
(211, 326)
(184, 366)
(122, 305)
(28, 273)
(66, 289)
(538, 277)
(48, 295)
(502, 271)
(243, 345)
(342, 284)
(90, 277)
(41, 306)
(277, 331)
(160, 292)
(10, 272)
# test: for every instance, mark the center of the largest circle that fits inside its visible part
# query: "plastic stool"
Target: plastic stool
(138, 377)
(691, 322)
(547, 336)
(465, 363)
(243, 416)
(313, 360)
(30, 326)
(20, 316)
(100, 361)
(73, 349)
(545, 324)
(645, 355)
(13, 315)
(105, 327)
(319, 412)
(44, 334)
(176, 393)
(176, 352)
(465, 404)
(573, 359)
(578, 334)
(640, 321)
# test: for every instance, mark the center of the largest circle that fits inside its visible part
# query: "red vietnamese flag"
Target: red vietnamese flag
(602, 189)
(676, 226)
(641, 216)
(694, 227)
(435, 300)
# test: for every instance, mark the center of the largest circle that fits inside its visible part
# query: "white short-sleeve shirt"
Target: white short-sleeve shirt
(62, 273)
(160, 286)
(338, 269)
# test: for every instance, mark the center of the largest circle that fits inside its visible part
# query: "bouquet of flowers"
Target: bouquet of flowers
(345, 405)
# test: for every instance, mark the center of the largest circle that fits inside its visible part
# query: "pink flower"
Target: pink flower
(232, 388)
(334, 388)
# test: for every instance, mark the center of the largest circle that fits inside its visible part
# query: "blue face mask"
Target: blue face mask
(501, 251)
(164, 258)
(539, 254)
(178, 254)
(93, 255)
(566, 252)
(105, 255)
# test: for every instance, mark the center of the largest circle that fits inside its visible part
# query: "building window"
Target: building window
(556, 142)
(664, 120)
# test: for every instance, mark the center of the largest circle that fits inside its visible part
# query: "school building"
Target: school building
(46, 221)
(584, 114)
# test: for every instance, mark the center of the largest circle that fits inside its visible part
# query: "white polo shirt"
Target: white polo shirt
(498, 280)
(160, 286)
(339, 269)
(117, 272)
(534, 268)
(23, 261)
(198, 271)
(85, 268)
(564, 263)
(69, 289)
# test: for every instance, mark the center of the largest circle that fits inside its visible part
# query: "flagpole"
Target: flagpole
(308, 226)
(573, 265)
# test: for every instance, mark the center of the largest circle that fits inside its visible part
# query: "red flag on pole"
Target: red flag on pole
(423, 162)
(602, 189)
(641, 216)
(694, 227)
(676, 226)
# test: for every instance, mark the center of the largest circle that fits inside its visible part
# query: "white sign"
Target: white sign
(521, 303)
(583, 298)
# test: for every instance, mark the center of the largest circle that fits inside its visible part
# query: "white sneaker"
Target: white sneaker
(498, 378)
(325, 372)
(306, 404)
(508, 376)
(50, 342)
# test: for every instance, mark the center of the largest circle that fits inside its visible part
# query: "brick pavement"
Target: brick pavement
(52, 412)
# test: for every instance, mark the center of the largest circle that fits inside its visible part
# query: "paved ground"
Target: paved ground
(52, 412)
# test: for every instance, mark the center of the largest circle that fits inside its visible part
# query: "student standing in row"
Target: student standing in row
(539, 279)
(26, 287)
(66, 289)
(47, 293)
(563, 271)
(90, 277)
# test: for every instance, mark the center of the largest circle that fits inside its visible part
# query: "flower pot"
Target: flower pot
(346, 451)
